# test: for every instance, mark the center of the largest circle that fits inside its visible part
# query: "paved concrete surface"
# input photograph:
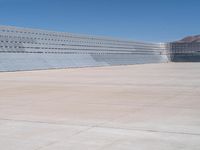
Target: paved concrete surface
(140, 107)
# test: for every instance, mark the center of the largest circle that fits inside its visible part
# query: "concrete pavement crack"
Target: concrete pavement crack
(104, 127)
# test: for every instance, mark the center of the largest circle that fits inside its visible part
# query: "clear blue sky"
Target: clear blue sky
(141, 20)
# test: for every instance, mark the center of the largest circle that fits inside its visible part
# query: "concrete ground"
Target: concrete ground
(139, 107)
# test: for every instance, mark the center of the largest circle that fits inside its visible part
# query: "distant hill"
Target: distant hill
(190, 39)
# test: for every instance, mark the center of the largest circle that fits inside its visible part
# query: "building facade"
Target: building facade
(185, 51)
(31, 49)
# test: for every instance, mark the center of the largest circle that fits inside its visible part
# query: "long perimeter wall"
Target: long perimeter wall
(32, 49)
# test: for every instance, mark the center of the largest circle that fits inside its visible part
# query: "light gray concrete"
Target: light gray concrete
(140, 107)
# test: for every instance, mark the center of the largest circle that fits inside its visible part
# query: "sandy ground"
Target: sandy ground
(139, 107)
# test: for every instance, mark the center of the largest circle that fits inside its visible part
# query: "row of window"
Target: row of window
(84, 49)
(40, 33)
(81, 39)
(30, 41)
(188, 50)
(194, 46)
(22, 47)
(185, 49)
(96, 46)
(60, 35)
(56, 40)
(61, 52)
